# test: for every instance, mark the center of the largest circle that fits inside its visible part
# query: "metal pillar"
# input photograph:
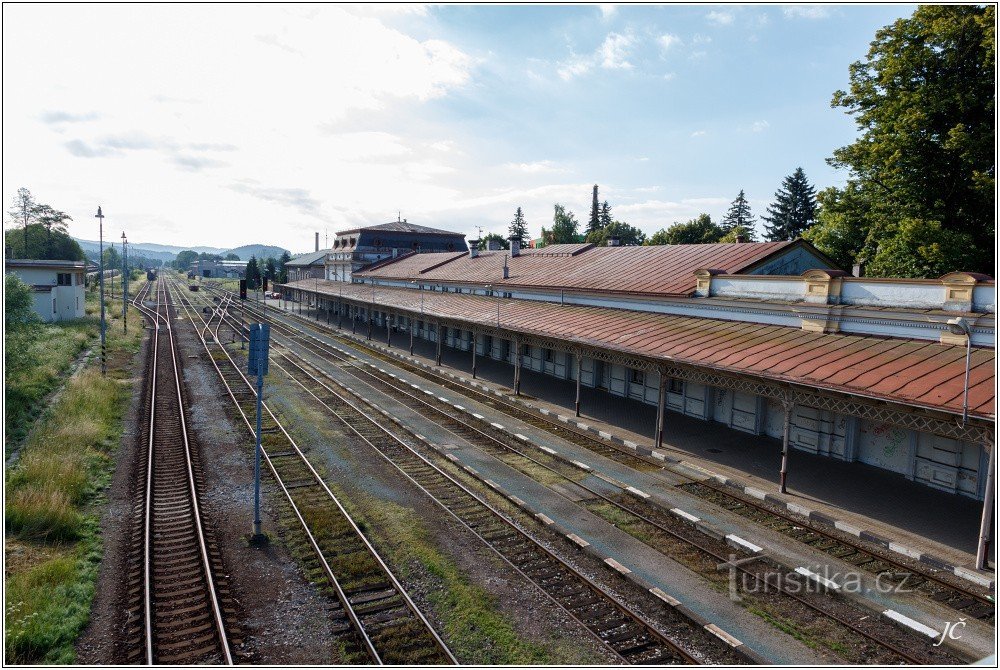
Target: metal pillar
(474, 344)
(661, 410)
(517, 367)
(986, 522)
(388, 331)
(411, 335)
(371, 319)
(256, 459)
(328, 313)
(440, 337)
(784, 445)
(340, 314)
(579, 370)
(354, 319)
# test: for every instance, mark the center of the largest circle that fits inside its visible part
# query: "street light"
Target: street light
(124, 283)
(959, 326)
(104, 351)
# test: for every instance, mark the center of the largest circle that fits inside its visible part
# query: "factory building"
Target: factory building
(768, 339)
(219, 269)
(359, 248)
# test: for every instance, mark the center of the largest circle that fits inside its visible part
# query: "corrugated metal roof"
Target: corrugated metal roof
(915, 372)
(315, 257)
(667, 269)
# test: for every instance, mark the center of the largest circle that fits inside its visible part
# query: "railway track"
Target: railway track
(380, 624)
(944, 589)
(175, 610)
(882, 641)
(622, 630)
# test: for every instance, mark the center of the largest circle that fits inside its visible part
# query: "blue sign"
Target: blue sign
(260, 336)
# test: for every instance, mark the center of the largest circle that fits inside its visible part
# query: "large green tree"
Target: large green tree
(701, 230)
(627, 235)
(519, 228)
(739, 215)
(793, 209)
(564, 227)
(184, 259)
(924, 103)
(43, 244)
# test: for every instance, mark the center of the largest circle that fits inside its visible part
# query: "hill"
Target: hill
(257, 250)
(162, 252)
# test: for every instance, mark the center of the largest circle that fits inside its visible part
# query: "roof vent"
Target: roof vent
(741, 239)
(506, 270)
(473, 248)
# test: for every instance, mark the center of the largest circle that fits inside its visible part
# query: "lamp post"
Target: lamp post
(959, 326)
(104, 351)
(124, 283)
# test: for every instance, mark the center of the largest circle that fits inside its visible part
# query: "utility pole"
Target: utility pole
(104, 349)
(124, 283)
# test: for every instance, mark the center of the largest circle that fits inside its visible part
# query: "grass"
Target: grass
(54, 497)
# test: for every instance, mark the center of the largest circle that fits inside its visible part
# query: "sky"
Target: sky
(224, 125)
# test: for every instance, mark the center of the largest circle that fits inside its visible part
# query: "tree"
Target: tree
(20, 327)
(185, 258)
(841, 228)
(594, 223)
(519, 228)
(701, 230)
(22, 211)
(793, 210)
(232, 257)
(270, 269)
(564, 227)
(253, 274)
(605, 215)
(42, 244)
(738, 216)
(282, 270)
(923, 101)
(627, 235)
(918, 248)
(496, 237)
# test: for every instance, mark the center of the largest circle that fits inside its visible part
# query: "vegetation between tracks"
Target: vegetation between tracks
(55, 495)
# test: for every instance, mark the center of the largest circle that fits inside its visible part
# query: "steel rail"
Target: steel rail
(561, 428)
(357, 371)
(342, 596)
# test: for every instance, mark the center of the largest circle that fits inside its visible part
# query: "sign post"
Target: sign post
(260, 335)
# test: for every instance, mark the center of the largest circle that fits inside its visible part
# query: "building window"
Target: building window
(638, 377)
(676, 386)
(64, 279)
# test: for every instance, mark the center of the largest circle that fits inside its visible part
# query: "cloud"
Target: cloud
(759, 126)
(196, 163)
(720, 18)
(55, 116)
(669, 76)
(807, 12)
(297, 198)
(272, 40)
(607, 11)
(535, 167)
(699, 133)
(81, 149)
(212, 146)
(667, 40)
(612, 54)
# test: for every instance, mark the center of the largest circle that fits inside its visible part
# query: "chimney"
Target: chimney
(506, 270)
(473, 248)
(858, 269)
(492, 244)
(614, 241)
(317, 241)
(515, 247)
(740, 239)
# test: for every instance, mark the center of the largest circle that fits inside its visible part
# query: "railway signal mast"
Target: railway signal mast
(260, 335)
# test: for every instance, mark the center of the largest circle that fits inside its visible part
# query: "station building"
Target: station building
(58, 287)
(358, 248)
(770, 339)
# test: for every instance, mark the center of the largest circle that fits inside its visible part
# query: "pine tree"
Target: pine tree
(519, 228)
(738, 216)
(793, 210)
(252, 274)
(594, 224)
(605, 215)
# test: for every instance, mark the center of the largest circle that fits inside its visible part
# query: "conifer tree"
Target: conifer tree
(738, 216)
(605, 215)
(594, 224)
(793, 210)
(253, 274)
(519, 228)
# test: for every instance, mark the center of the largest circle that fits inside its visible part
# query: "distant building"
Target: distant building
(358, 248)
(58, 286)
(307, 266)
(219, 269)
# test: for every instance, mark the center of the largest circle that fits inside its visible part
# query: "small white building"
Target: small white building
(58, 286)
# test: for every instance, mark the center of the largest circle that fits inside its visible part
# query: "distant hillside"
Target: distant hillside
(256, 250)
(163, 252)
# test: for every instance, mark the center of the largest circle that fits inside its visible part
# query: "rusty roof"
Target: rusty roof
(914, 372)
(663, 270)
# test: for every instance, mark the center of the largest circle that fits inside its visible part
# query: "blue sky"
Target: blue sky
(236, 124)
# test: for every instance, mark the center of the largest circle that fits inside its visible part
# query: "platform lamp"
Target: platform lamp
(959, 326)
